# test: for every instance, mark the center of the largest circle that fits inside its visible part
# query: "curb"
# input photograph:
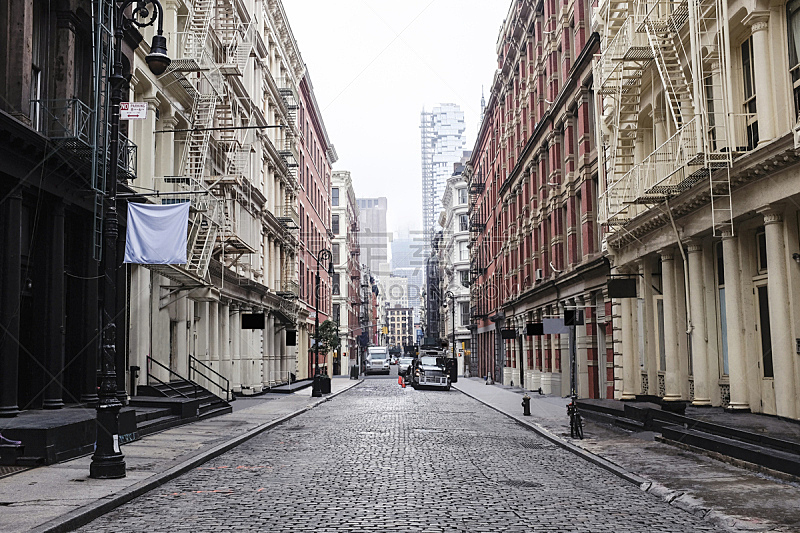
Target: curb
(83, 515)
(674, 498)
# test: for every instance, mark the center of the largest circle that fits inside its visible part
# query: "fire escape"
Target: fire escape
(195, 71)
(683, 44)
(288, 215)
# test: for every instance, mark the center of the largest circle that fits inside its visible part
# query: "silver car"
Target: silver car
(404, 365)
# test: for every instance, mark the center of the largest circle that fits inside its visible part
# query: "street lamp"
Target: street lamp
(316, 391)
(452, 297)
(108, 461)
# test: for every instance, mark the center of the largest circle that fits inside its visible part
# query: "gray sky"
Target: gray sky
(374, 64)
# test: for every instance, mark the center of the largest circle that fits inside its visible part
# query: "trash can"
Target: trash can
(325, 384)
(354, 372)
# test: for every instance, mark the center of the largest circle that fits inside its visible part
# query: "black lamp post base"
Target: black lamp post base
(107, 468)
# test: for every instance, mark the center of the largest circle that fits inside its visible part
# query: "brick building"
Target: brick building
(532, 182)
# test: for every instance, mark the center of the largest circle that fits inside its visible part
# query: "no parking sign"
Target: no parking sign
(132, 110)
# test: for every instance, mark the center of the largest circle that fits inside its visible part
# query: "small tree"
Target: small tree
(328, 336)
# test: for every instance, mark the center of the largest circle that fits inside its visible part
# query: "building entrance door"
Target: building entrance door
(765, 362)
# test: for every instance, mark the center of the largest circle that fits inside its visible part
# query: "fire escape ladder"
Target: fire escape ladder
(197, 141)
(103, 35)
(203, 231)
(198, 28)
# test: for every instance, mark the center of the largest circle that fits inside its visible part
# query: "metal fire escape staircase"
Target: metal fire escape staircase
(196, 72)
(695, 96)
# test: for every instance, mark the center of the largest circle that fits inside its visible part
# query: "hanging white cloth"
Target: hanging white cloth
(157, 234)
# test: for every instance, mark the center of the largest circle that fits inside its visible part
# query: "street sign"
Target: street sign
(132, 110)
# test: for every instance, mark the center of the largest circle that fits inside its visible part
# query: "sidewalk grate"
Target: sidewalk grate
(11, 470)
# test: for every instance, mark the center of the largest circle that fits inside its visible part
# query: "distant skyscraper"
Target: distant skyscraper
(443, 143)
(408, 261)
(374, 237)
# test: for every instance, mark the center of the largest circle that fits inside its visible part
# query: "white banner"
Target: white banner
(157, 234)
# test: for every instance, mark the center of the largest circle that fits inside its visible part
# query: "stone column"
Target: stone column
(582, 354)
(225, 341)
(762, 73)
(629, 364)
(201, 332)
(147, 141)
(268, 342)
(178, 359)
(673, 370)
(698, 334)
(213, 332)
(236, 348)
(165, 149)
(735, 326)
(54, 355)
(11, 222)
(783, 363)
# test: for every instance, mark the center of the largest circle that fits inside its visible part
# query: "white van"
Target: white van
(377, 360)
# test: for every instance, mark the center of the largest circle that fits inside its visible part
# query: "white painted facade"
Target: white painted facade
(715, 320)
(235, 65)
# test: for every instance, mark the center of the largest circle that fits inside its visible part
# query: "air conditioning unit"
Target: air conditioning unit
(538, 274)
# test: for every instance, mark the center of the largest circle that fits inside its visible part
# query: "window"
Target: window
(337, 313)
(462, 193)
(463, 252)
(335, 254)
(711, 134)
(335, 283)
(463, 223)
(761, 247)
(335, 224)
(335, 197)
(793, 20)
(464, 275)
(464, 313)
(38, 55)
(749, 85)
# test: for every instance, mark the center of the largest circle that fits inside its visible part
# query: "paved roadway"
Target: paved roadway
(383, 458)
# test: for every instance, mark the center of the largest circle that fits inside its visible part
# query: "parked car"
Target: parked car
(404, 365)
(377, 360)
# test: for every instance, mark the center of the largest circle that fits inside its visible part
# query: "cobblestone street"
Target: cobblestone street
(383, 458)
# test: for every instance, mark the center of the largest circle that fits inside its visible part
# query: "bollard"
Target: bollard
(526, 405)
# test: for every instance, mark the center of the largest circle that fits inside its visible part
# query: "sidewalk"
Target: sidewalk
(735, 498)
(61, 497)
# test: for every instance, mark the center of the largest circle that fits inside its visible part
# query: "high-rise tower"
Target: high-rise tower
(443, 143)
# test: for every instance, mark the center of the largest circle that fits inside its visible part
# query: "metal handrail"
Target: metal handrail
(150, 360)
(223, 378)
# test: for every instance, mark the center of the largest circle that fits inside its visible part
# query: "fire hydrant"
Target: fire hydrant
(526, 405)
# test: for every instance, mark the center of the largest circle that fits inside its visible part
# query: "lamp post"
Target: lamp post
(449, 295)
(315, 384)
(108, 461)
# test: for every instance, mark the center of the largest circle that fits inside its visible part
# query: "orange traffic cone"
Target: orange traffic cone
(400, 380)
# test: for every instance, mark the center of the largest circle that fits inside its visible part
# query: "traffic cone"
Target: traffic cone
(400, 380)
